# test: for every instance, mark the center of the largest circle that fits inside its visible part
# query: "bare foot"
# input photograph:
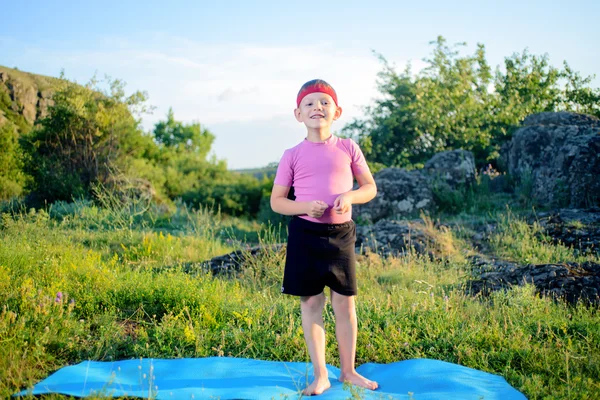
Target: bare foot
(318, 386)
(355, 379)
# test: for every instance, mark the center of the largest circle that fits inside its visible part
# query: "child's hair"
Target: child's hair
(316, 85)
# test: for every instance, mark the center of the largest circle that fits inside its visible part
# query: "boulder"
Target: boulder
(400, 193)
(455, 168)
(391, 237)
(563, 118)
(558, 156)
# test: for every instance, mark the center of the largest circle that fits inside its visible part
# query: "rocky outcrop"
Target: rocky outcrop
(558, 154)
(402, 193)
(575, 228)
(454, 168)
(25, 94)
(569, 281)
(395, 238)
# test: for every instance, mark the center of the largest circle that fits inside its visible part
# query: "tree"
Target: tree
(86, 132)
(174, 134)
(456, 102)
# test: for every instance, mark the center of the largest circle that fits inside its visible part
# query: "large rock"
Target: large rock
(30, 94)
(570, 281)
(558, 154)
(455, 168)
(390, 237)
(400, 193)
(559, 118)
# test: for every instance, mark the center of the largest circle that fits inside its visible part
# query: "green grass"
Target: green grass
(519, 241)
(132, 298)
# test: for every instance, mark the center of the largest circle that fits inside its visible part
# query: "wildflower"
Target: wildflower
(405, 344)
(59, 297)
(72, 302)
(446, 298)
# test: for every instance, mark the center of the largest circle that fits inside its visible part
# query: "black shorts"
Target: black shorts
(320, 255)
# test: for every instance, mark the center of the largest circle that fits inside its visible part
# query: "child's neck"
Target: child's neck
(318, 135)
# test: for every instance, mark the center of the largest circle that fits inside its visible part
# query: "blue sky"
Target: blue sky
(236, 66)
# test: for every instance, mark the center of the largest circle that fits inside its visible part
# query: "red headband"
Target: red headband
(316, 88)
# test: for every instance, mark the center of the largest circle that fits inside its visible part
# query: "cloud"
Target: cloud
(226, 86)
(229, 93)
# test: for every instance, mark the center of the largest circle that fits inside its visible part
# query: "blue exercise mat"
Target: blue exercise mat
(237, 378)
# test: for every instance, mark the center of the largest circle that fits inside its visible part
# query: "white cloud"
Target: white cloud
(234, 87)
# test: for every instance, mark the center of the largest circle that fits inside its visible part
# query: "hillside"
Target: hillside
(24, 97)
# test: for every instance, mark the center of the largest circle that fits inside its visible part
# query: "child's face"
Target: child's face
(317, 110)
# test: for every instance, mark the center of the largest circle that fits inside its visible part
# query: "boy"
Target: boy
(320, 250)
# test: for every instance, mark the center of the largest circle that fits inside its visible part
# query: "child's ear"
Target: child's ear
(338, 113)
(297, 114)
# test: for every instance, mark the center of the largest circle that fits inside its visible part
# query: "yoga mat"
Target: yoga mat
(238, 378)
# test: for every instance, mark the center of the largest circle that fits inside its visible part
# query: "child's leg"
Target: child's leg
(314, 335)
(346, 331)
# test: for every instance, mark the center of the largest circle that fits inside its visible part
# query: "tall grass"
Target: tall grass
(519, 241)
(124, 293)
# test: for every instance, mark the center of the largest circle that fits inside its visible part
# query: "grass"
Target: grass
(519, 241)
(126, 294)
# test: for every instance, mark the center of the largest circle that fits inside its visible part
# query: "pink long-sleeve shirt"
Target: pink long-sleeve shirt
(322, 171)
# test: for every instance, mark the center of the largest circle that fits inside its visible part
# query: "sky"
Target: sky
(236, 66)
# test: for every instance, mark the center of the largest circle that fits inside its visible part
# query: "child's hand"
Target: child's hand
(316, 208)
(342, 204)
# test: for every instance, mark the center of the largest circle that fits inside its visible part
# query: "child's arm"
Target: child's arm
(365, 193)
(282, 205)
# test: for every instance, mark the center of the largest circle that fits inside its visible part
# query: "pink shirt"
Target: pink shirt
(322, 171)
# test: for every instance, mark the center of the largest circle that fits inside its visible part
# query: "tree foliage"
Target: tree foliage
(91, 136)
(456, 102)
(87, 131)
(12, 178)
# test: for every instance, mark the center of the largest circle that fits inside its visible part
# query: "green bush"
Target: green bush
(86, 133)
(12, 178)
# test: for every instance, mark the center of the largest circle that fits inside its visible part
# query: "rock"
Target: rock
(389, 237)
(456, 168)
(30, 94)
(575, 228)
(569, 281)
(45, 94)
(558, 156)
(28, 98)
(233, 262)
(400, 193)
(43, 105)
(560, 118)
